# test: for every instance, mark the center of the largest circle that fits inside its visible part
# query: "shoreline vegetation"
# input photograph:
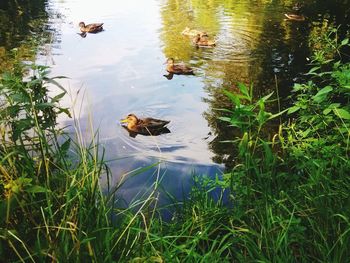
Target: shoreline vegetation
(288, 194)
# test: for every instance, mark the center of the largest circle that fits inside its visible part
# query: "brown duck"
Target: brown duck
(295, 17)
(177, 68)
(203, 41)
(147, 126)
(91, 28)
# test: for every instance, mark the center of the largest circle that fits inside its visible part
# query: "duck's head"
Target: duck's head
(197, 38)
(81, 24)
(186, 30)
(130, 119)
(170, 61)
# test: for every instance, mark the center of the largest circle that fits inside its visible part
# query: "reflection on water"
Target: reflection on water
(21, 27)
(121, 70)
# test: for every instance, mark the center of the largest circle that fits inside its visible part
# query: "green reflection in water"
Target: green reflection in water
(21, 31)
(256, 44)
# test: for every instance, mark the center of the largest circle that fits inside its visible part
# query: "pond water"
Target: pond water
(120, 71)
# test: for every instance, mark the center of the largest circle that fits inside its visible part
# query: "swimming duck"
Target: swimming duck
(297, 6)
(147, 126)
(295, 17)
(192, 32)
(177, 68)
(90, 28)
(203, 41)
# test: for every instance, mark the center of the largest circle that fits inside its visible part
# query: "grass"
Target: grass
(285, 200)
(51, 199)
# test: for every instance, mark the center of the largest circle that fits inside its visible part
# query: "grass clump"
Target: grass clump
(52, 205)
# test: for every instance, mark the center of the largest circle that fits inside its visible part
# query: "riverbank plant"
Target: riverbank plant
(286, 200)
(51, 202)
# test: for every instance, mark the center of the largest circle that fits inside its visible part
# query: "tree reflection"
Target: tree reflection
(255, 45)
(21, 29)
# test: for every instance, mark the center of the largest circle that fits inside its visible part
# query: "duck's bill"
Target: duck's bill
(123, 120)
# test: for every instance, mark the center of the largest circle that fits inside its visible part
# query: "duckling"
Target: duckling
(90, 28)
(297, 6)
(147, 126)
(295, 17)
(203, 41)
(192, 32)
(178, 68)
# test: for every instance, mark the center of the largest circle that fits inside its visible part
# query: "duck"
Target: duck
(297, 6)
(192, 32)
(177, 68)
(203, 41)
(147, 126)
(91, 28)
(295, 17)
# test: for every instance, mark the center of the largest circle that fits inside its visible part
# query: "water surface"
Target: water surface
(120, 71)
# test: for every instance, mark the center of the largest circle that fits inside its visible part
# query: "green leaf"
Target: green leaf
(44, 105)
(277, 114)
(326, 111)
(65, 146)
(54, 82)
(244, 90)
(321, 95)
(263, 116)
(345, 42)
(293, 109)
(305, 133)
(265, 98)
(60, 77)
(341, 113)
(298, 87)
(36, 189)
(232, 97)
(223, 110)
(66, 111)
(58, 97)
(334, 105)
(325, 90)
(12, 111)
(311, 71)
(20, 98)
(330, 108)
(225, 119)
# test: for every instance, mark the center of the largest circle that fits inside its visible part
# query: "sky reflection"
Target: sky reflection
(120, 71)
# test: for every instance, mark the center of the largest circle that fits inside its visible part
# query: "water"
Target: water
(120, 71)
